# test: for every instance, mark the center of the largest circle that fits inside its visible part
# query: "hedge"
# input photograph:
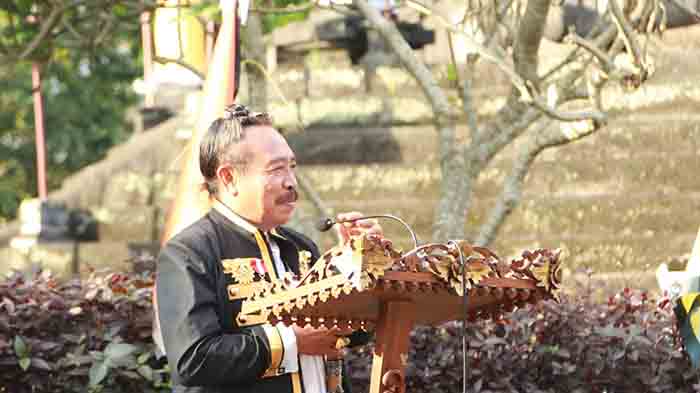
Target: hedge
(95, 335)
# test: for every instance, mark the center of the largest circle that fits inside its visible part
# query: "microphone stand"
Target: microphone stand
(326, 224)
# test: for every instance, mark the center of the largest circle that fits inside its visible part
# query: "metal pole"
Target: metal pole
(147, 43)
(233, 53)
(39, 129)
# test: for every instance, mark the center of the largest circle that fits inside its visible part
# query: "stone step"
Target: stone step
(135, 223)
(654, 130)
(59, 258)
(561, 173)
(640, 214)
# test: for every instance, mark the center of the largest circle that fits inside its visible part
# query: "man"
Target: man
(248, 169)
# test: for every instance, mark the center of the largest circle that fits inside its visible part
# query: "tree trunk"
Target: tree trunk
(526, 48)
(449, 217)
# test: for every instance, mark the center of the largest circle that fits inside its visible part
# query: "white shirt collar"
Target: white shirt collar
(233, 217)
(240, 221)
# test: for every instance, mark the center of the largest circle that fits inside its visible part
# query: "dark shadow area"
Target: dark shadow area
(345, 146)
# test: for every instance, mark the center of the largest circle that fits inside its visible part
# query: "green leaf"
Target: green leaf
(451, 73)
(24, 363)
(98, 372)
(21, 349)
(118, 351)
(143, 358)
(146, 372)
(206, 11)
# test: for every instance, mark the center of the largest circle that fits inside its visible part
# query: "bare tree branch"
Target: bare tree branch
(452, 163)
(529, 36)
(627, 34)
(525, 56)
(501, 13)
(599, 38)
(513, 118)
(510, 122)
(464, 91)
(515, 78)
(467, 108)
(69, 28)
(544, 138)
(46, 27)
(436, 97)
(511, 193)
(648, 15)
(56, 15)
(181, 63)
(106, 30)
(605, 60)
(569, 116)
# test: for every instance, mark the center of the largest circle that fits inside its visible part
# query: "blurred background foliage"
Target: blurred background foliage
(210, 10)
(85, 98)
(89, 59)
(87, 64)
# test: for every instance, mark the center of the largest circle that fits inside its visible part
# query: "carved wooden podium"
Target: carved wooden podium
(365, 285)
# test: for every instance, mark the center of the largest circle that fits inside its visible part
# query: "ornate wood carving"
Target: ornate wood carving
(367, 285)
(345, 285)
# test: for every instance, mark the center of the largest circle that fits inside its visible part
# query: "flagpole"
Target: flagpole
(39, 131)
(191, 202)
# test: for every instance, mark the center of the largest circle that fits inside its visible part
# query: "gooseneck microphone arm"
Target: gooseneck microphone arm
(327, 223)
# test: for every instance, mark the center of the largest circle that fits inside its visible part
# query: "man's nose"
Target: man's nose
(290, 181)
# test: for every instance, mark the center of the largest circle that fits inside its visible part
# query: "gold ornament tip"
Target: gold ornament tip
(342, 342)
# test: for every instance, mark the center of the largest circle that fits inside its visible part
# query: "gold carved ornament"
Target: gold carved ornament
(369, 260)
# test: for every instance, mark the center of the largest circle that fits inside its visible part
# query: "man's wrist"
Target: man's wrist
(290, 360)
(334, 367)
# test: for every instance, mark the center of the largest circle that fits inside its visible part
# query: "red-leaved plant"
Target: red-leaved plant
(95, 335)
(628, 343)
(77, 336)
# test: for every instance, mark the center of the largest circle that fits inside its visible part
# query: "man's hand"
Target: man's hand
(321, 341)
(347, 229)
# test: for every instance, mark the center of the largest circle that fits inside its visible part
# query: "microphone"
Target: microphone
(327, 223)
(324, 224)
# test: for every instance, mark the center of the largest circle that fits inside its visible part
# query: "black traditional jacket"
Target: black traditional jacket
(206, 349)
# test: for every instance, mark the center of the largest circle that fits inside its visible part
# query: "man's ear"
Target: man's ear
(226, 176)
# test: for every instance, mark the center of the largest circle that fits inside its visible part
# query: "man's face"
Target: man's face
(267, 189)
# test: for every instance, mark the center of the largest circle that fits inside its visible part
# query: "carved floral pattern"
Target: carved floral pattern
(486, 274)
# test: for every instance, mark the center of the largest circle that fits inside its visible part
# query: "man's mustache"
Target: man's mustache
(289, 196)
